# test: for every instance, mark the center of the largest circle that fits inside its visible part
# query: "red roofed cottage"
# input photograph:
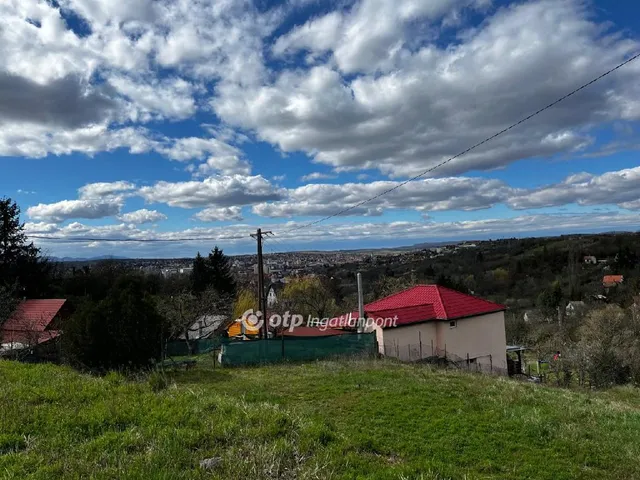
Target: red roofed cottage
(33, 324)
(431, 320)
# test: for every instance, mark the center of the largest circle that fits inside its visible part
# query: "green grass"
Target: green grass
(355, 419)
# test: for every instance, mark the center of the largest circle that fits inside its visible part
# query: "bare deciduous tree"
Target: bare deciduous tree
(184, 309)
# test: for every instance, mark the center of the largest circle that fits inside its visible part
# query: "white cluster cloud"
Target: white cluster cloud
(205, 156)
(431, 194)
(382, 90)
(37, 141)
(401, 230)
(371, 36)
(154, 99)
(105, 189)
(216, 214)
(67, 209)
(96, 200)
(224, 191)
(621, 188)
(316, 176)
(71, 68)
(221, 157)
(432, 101)
(142, 216)
(366, 85)
(224, 196)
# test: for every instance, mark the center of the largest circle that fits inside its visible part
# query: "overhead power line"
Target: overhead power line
(283, 247)
(129, 239)
(464, 152)
(359, 204)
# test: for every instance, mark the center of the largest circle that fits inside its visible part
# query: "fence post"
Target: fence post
(445, 352)
(420, 339)
(432, 347)
(491, 362)
(468, 361)
(282, 333)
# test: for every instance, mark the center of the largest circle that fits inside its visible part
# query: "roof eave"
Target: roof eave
(504, 308)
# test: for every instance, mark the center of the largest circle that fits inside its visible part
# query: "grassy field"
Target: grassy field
(356, 419)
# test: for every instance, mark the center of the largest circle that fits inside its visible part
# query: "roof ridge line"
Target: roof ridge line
(446, 314)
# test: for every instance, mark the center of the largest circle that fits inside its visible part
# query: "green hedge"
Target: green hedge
(254, 352)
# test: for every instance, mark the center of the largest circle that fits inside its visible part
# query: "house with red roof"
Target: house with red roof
(34, 324)
(431, 320)
(609, 281)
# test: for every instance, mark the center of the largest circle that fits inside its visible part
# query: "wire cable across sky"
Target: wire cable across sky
(129, 239)
(464, 152)
(363, 202)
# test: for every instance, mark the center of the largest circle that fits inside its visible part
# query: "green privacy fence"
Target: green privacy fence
(297, 349)
(180, 348)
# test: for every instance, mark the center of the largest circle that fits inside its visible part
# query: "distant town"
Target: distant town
(281, 266)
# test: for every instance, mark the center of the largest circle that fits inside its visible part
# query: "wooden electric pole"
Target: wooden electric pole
(262, 303)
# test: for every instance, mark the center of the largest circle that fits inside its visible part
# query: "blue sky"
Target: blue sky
(171, 120)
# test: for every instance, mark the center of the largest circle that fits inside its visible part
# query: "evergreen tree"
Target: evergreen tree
(21, 266)
(214, 271)
(550, 299)
(220, 272)
(13, 241)
(200, 278)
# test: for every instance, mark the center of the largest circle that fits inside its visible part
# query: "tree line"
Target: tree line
(121, 318)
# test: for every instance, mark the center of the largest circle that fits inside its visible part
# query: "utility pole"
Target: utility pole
(262, 303)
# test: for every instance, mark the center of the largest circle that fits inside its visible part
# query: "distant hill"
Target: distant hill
(89, 259)
(435, 244)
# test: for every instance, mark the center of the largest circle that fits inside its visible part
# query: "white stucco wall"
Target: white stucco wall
(404, 342)
(483, 337)
(478, 336)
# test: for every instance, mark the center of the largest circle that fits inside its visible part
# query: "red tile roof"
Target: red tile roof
(430, 302)
(405, 316)
(612, 279)
(33, 315)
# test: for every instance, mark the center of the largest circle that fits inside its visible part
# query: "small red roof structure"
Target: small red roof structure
(612, 280)
(424, 303)
(32, 322)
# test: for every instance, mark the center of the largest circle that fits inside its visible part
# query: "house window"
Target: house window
(453, 324)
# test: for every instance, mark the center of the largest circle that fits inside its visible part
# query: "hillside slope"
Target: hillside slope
(324, 420)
